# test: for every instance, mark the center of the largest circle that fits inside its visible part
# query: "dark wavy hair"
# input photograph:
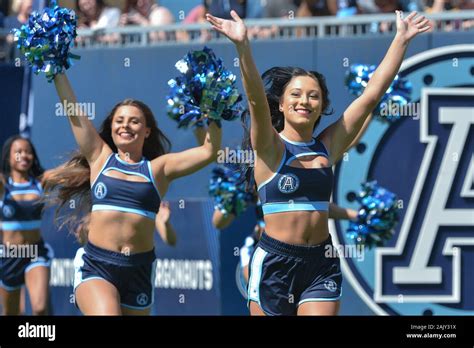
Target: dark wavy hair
(83, 19)
(275, 81)
(71, 181)
(35, 171)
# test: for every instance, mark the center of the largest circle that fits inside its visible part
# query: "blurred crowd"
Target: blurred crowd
(98, 14)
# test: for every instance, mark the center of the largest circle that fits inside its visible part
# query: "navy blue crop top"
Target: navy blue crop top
(18, 215)
(110, 193)
(297, 189)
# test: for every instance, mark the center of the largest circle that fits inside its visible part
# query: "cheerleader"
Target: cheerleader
(21, 208)
(120, 174)
(222, 220)
(289, 273)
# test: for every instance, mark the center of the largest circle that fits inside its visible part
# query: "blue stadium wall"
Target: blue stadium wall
(198, 276)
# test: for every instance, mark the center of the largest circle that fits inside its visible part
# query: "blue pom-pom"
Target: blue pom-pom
(46, 39)
(397, 96)
(377, 217)
(357, 78)
(228, 188)
(205, 90)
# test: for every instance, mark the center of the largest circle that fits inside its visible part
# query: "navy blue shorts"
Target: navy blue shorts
(133, 275)
(283, 276)
(20, 259)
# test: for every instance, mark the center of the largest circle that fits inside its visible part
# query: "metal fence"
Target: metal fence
(268, 29)
(263, 29)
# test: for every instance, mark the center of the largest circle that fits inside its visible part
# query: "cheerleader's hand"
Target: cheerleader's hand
(235, 29)
(412, 25)
(352, 214)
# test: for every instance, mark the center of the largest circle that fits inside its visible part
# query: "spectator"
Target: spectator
(259, 9)
(196, 15)
(413, 5)
(435, 6)
(346, 8)
(367, 6)
(255, 8)
(21, 10)
(247, 9)
(390, 6)
(311, 8)
(222, 8)
(341, 8)
(147, 13)
(279, 8)
(386, 6)
(269, 9)
(94, 14)
(466, 4)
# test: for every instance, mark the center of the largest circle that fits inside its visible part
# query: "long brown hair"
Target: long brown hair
(68, 186)
(83, 19)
